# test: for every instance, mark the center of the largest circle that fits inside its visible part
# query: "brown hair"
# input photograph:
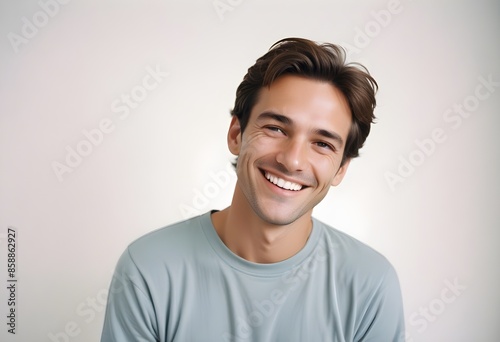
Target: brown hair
(324, 62)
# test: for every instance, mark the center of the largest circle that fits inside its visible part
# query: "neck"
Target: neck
(255, 240)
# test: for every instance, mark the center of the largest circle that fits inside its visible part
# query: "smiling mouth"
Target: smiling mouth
(281, 183)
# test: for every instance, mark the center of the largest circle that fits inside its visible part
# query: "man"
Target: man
(263, 269)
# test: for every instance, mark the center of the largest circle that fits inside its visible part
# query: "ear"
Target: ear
(340, 173)
(234, 136)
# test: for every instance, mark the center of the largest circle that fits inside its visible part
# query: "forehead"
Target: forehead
(306, 101)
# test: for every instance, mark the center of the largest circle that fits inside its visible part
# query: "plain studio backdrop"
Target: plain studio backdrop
(113, 119)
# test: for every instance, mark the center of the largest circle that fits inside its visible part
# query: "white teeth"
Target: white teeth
(283, 183)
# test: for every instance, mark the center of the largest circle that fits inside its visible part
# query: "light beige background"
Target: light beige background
(437, 225)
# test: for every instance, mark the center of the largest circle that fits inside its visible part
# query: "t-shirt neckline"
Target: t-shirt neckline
(243, 265)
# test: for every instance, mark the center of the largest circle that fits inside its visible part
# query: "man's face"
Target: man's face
(290, 152)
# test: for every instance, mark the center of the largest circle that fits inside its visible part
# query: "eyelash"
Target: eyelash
(275, 129)
(322, 144)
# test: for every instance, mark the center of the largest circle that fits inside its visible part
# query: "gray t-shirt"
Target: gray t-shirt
(181, 283)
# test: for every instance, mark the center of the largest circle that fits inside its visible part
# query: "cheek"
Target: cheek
(326, 168)
(256, 144)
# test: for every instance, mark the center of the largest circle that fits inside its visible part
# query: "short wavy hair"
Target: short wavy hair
(323, 62)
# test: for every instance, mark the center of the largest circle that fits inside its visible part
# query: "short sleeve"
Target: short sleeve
(130, 314)
(383, 319)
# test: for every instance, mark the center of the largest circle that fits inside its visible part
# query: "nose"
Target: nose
(293, 155)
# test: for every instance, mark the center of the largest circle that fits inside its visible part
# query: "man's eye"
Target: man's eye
(325, 145)
(275, 129)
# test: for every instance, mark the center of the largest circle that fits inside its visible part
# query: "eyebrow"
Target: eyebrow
(289, 122)
(277, 117)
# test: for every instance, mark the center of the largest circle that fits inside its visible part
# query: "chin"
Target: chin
(278, 219)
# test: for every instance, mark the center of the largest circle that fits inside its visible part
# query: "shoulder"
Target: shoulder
(354, 258)
(172, 234)
(168, 244)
